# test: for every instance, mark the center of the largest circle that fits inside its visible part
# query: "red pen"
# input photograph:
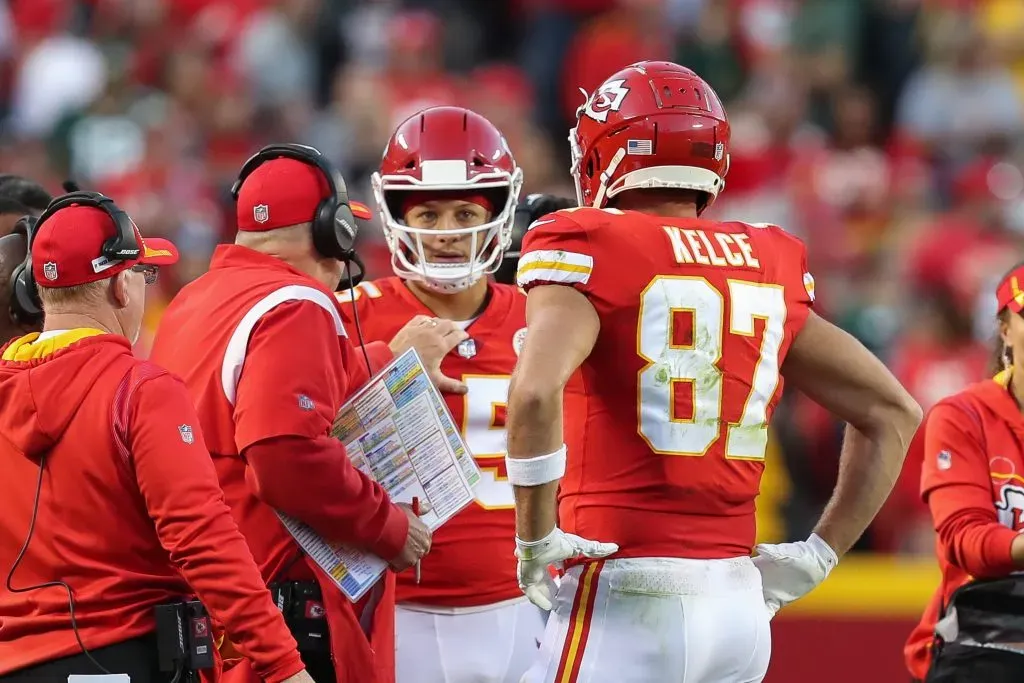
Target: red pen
(416, 511)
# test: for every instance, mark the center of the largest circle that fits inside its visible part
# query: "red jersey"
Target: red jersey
(470, 561)
(696, 318)
(973, 482)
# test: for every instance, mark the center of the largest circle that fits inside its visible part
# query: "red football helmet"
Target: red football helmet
(652, 124)
(447, 149)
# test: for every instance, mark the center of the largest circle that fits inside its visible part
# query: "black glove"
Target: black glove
(530, 209)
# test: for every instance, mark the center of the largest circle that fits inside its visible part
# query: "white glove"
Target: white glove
(791, 570)
(536, 556)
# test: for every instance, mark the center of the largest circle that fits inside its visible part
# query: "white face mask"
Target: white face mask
(488, 242)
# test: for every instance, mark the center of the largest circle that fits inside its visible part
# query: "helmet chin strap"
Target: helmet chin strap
(452, 287)
(606, 175)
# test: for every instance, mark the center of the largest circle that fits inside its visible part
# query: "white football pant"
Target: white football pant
(656, 619)
(493, 644)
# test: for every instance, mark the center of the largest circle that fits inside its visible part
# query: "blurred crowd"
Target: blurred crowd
(885, 133)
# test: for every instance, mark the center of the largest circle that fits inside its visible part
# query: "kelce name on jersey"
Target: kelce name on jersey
(711, 249)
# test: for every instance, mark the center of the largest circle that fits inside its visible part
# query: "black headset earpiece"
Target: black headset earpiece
(345, 227)
(334, 227)
(123, 246)
(25, 307)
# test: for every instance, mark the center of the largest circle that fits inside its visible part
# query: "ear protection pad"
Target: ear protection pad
(337, 241)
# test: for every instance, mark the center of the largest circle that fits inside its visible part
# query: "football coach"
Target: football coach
(260, 343)
(109, 503)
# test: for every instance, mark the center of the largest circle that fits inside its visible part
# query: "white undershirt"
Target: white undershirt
(465, 323)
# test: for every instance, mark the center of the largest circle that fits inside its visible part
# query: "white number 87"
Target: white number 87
(696, 363)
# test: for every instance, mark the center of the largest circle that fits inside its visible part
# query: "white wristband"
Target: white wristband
(542, 469)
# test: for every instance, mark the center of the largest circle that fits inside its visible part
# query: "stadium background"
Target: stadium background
(886, 133)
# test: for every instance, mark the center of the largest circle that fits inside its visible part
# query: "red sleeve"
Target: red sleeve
(183, 496)
(790, 271)
(557, 251)
(314, 481)
(293, 380)
(955, 485)
(377, 352)
(292, 384)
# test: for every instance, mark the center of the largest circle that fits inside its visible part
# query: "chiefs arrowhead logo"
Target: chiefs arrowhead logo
(608, 98)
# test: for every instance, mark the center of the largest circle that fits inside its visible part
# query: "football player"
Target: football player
(447, 190)
(684, 329)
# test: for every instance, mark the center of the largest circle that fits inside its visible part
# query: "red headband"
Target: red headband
(417, 197)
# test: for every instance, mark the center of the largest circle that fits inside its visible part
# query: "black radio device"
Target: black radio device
(184, 638)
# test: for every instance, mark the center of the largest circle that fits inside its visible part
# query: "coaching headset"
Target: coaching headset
(123, 246)
(334, 226)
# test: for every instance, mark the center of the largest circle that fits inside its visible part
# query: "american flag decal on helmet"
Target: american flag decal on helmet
(642, 147)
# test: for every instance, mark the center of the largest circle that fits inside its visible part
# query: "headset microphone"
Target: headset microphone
(352, 280)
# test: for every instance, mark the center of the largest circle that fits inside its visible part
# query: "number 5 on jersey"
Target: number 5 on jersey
(696, 363)
(483, 428)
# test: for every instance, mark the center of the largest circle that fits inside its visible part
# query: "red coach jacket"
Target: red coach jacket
(121, 511)
(973, 483)
(264, 355)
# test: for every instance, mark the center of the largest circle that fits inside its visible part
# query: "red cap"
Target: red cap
(67, 250)
(284, 192)
(1008, 293)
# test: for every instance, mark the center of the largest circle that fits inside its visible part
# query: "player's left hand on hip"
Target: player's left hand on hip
(536, 556)
(791, 570)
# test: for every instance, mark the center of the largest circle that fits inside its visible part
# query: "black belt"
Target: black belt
(301, 603)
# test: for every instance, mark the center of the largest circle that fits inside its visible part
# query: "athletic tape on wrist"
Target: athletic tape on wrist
(542, 469)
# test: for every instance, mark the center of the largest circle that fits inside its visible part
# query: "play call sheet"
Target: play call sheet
(397, 430)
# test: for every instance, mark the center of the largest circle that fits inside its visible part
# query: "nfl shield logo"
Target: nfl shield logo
(261, 213)
(186, 434)
(50, 270)
(305, 402)
(467, 348)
